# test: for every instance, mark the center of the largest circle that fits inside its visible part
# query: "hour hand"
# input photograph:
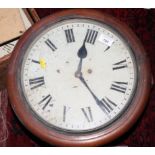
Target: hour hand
(78, 72)
(82, 52)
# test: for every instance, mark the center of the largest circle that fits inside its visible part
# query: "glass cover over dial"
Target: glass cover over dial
(78, 75)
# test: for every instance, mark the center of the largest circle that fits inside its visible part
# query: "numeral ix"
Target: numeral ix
(36, 82)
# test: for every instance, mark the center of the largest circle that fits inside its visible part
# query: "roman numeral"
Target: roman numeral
(36, 82)
(87, 113)
(50, 45)
(91, 36)
(107, 105)
(120, 65)
(119, 86)
(69, 35)
(46, 100)
(65, 110)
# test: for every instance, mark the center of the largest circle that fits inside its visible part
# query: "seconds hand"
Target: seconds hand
(82, 53)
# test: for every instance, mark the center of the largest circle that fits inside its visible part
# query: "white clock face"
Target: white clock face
(78, 75)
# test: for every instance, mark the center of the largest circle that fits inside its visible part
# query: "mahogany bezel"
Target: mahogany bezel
(100, 137)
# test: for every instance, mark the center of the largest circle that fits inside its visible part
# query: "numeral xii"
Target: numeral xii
(91, 36)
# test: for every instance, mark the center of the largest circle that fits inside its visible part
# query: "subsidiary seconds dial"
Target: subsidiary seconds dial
(78, 75)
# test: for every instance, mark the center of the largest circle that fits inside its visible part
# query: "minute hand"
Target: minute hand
(99, 102)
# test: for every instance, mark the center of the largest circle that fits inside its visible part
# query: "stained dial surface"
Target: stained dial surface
(78, 75)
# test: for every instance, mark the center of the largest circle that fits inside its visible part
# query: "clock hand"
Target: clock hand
(82, 53)
(99, 102)
(78, 72)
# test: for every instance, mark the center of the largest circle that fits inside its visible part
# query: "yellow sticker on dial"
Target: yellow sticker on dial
(42, 63)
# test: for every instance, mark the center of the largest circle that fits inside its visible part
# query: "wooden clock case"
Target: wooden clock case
(99, 137)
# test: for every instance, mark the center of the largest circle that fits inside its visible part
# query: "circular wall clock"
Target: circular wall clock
(78, 78)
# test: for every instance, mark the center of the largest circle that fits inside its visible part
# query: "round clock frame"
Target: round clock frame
(101, 136)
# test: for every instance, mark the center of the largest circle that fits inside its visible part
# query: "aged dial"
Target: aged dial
(78, 75)
(78, 78)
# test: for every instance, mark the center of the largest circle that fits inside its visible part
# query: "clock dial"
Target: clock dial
(78, 75)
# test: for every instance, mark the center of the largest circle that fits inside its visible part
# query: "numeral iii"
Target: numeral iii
(119, 86)
(120, 65)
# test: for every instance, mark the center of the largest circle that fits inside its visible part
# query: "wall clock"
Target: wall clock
(78, 78)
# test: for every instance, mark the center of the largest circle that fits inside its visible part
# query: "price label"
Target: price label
(105, 39)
